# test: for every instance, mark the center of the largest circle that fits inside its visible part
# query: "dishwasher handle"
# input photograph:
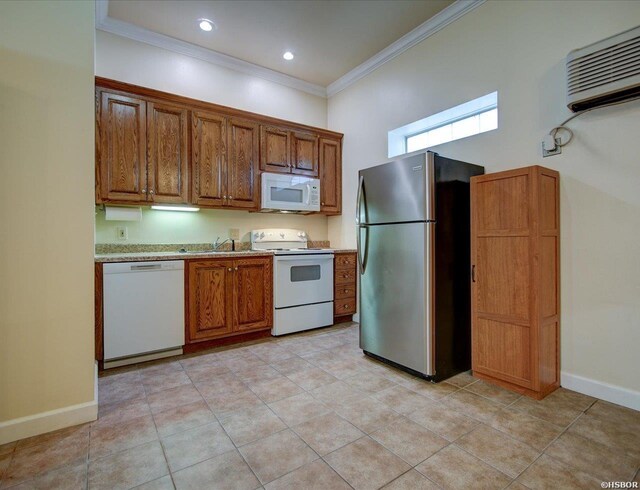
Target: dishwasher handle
(137, 267)
(146, 267)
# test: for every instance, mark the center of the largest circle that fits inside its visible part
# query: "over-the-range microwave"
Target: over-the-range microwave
(286, 192)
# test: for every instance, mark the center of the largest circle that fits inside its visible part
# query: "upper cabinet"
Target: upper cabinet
(154, 147)
(330, 176)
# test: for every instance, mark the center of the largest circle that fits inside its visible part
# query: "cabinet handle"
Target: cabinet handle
(151, 191)
(322, 204)
(346, 290)
(230, 198)
(144, 191)
(473, 273)
(229, 269)
(235, 269)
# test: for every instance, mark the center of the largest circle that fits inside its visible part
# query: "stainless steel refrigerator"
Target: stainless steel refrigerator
(413, 236)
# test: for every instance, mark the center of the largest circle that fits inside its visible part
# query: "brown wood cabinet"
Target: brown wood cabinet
(330, 176)
(227, 297)
(344, 289)
(515, 253)
(152, 146)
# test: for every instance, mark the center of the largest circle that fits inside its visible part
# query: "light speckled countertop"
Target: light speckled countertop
(151, 256)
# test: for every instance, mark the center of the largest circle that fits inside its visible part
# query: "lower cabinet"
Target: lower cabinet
(227, 297)
(344, 289)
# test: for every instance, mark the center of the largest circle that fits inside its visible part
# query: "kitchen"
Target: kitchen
(175, 406)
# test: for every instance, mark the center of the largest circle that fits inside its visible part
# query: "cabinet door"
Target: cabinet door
(304, 154)
(330, 176)
(209, 299)
(253, 293)
(122, 158)
(209, 158)
(274, 150)
(168, 161)
(502, 334)
(242, 171)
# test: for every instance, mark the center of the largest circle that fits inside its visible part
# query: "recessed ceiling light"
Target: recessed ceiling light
(288, 56)
(206, 24)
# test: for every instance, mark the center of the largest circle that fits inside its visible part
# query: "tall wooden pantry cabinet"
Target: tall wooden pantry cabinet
(515, 257)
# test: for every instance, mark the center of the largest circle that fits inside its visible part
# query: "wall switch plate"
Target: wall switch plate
(555, 151)
(234, 234)
(121, 232)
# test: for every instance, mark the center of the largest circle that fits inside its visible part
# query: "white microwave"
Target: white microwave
(286, 192)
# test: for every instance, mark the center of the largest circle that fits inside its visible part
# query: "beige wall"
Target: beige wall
(141, 64)
(46, 207)
(203, 226)
(519, 48)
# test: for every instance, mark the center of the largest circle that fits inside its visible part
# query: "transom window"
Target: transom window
(473, 117)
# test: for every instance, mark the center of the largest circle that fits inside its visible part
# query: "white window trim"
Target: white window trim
(397, 138)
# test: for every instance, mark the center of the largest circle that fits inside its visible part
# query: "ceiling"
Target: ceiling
(328, 37)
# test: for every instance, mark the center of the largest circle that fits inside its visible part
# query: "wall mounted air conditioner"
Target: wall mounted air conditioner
(604, 72)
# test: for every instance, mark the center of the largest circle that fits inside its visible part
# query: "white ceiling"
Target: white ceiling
(328, 37)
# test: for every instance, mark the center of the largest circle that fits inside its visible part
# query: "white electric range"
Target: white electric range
(302, 280)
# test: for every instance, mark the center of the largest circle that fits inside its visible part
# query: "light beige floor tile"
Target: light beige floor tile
(50, 438)
(162, 366)
(369, 383)
(472, 405)
(223, 403)
(299, 408)
(34, 460)
(461, 380)
(117, 413)
(225, 472)
(277, 455)
(165, 381)
(555, 410)
(532, 431)
(327, 433)
(225, 383)
(435, 391)
(253, 376)
(173, 397)
(274, 354)
(625, 415)
(164, 483)
(128, 468)
(548, 474)
(193, 446)
(610, 432)
(502, 452)
(338, 393)
(312, 378)
(493, 392)
(244, 363)
(368, 414)
(183, 418)
(276, 389)
(7, 448)
(572, 398)
(409, 440)
(403, 400)
(317, 475)
(443, 421)
(365, 464)
(206, 372)
(5, 459)
(250, 424)
(411, 480)
(456, 469)
(114, 438)
(602, 462)
(72, 477)
(342, 369)
(290, 365)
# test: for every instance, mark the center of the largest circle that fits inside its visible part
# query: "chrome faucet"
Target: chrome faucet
(218, 243)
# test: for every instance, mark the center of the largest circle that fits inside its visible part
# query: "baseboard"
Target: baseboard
(41, 423)
(605, 391)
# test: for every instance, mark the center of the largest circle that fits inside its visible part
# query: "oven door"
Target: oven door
(303, 279)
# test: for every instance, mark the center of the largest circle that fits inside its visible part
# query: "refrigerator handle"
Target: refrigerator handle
(359, 201)
(359, 254)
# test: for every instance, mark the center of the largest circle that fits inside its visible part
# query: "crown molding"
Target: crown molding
(417, 35)
(125, 29)
(442, 19)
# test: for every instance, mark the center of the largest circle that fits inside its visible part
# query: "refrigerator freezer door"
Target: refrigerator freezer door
(397, 192)
(396, 294)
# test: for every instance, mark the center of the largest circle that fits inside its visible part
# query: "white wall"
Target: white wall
(519, 49)
(46, 211)
(203, 226)
(142, 64)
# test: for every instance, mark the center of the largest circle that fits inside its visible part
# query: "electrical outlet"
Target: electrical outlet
(121, 232)
(234, 234)
(555, 151)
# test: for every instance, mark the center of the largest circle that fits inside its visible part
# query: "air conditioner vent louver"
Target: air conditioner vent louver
(604, 72)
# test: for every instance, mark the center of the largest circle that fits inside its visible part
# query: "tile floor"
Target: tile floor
(309, 411)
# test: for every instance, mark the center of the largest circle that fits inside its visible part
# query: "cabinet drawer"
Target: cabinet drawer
(345, 261)
(344, 306)
(344, 276)
(345, 291)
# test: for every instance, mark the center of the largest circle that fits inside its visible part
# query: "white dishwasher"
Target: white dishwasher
(143, 311)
